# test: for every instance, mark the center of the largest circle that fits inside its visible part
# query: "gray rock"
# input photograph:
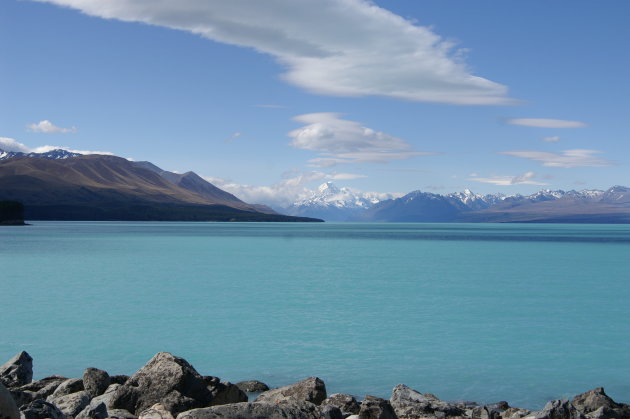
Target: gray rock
(22, 398)
(95, 381)
(71, 404)
(17, 371)
(376, 408)
(331, 412)
(485, 412)
(252, 386)
(597, 400)
(311, 390)
(557, 409)
(157, 411)
(121, 414)
(225, 393)
(44, 387)
(118, 379)
(8, 408)
(165, 379)
(71, 385)
(259, 410)
(41, 409)
(345, 402)
(514, 413)
(98, 411)
(409, 403)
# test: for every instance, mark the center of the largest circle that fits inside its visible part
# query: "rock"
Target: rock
(41, 409)
(157, 411)
(22, 398)
(597, 400)
(71, 404)
(252, 386)
(515, 413)
(165, 379)
(557, 409)
(225, 393)
(311, 390)
(8, 408)
(71, 385)
(409, 403)
(121, 414)
(95, 381)
(376, 408)
(98, 411)
(44, 387)
(345, 402)
(103, 399)
(258, 410)
(485, 412)
(17, 371)
(118, 379)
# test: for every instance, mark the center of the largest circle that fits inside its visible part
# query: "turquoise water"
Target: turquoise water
(484, 312)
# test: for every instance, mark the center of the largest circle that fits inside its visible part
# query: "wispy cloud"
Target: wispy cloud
(341, 48)
(566, 158)
(342, 141)
(10, 144)
(553, 139)
(545, 123)
(47, 127)
(524, 179)
(233, 137)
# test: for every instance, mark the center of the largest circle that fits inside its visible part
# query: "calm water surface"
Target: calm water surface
(485, 312)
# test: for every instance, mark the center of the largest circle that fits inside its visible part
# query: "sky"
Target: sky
(269, 99)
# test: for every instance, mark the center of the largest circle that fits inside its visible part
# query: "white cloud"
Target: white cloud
(48, 127)
(553, 139)
(233, 137)
(524, 179)
(341, 141)
(566, 158)
(9, 144)
(330, 47)
(292, 188)
(546, 123)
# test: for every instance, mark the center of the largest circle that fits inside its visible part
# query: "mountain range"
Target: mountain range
(587, 206)
(61, 185)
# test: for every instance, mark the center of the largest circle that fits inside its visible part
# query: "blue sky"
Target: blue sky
(269, 99)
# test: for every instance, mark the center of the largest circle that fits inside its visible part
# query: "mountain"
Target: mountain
(56, 154)
(333, 204)
(546, 206)
(99, 187)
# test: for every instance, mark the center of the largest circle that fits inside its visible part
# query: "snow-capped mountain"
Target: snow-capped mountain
(57, 154)
(334, 204)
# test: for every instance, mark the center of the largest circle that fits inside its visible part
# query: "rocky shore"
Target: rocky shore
(168, 387)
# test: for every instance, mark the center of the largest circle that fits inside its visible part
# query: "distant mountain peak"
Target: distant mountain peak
(56, 154)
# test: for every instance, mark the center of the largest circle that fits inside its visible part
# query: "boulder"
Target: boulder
(485, 412)
(557, 409)
(597, 400)
(103, 399)
(70, 404)
(409, 403)
(165, 379)
(97, 411)
(121, 414)
(514, 413)
(41, 409)
(345, 402)
(8, 408)
(44, 387)
(119, 379)
(69, 386)
(95, 381)
(311, 390)
(258, 410)
(252, 386)
(225, 393)
(17, 371)
(376, 408)
(157, 411)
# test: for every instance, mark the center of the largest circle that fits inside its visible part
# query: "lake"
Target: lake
(486, 312)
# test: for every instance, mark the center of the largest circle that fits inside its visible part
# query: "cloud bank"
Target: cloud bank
(567, 158)
(342, 141)
(47, 127)
(546, 123)
(10, 144)
(345, 48)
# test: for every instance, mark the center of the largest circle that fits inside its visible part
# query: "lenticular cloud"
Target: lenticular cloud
(329, 47)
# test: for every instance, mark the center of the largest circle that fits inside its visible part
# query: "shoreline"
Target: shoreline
(168, 387)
